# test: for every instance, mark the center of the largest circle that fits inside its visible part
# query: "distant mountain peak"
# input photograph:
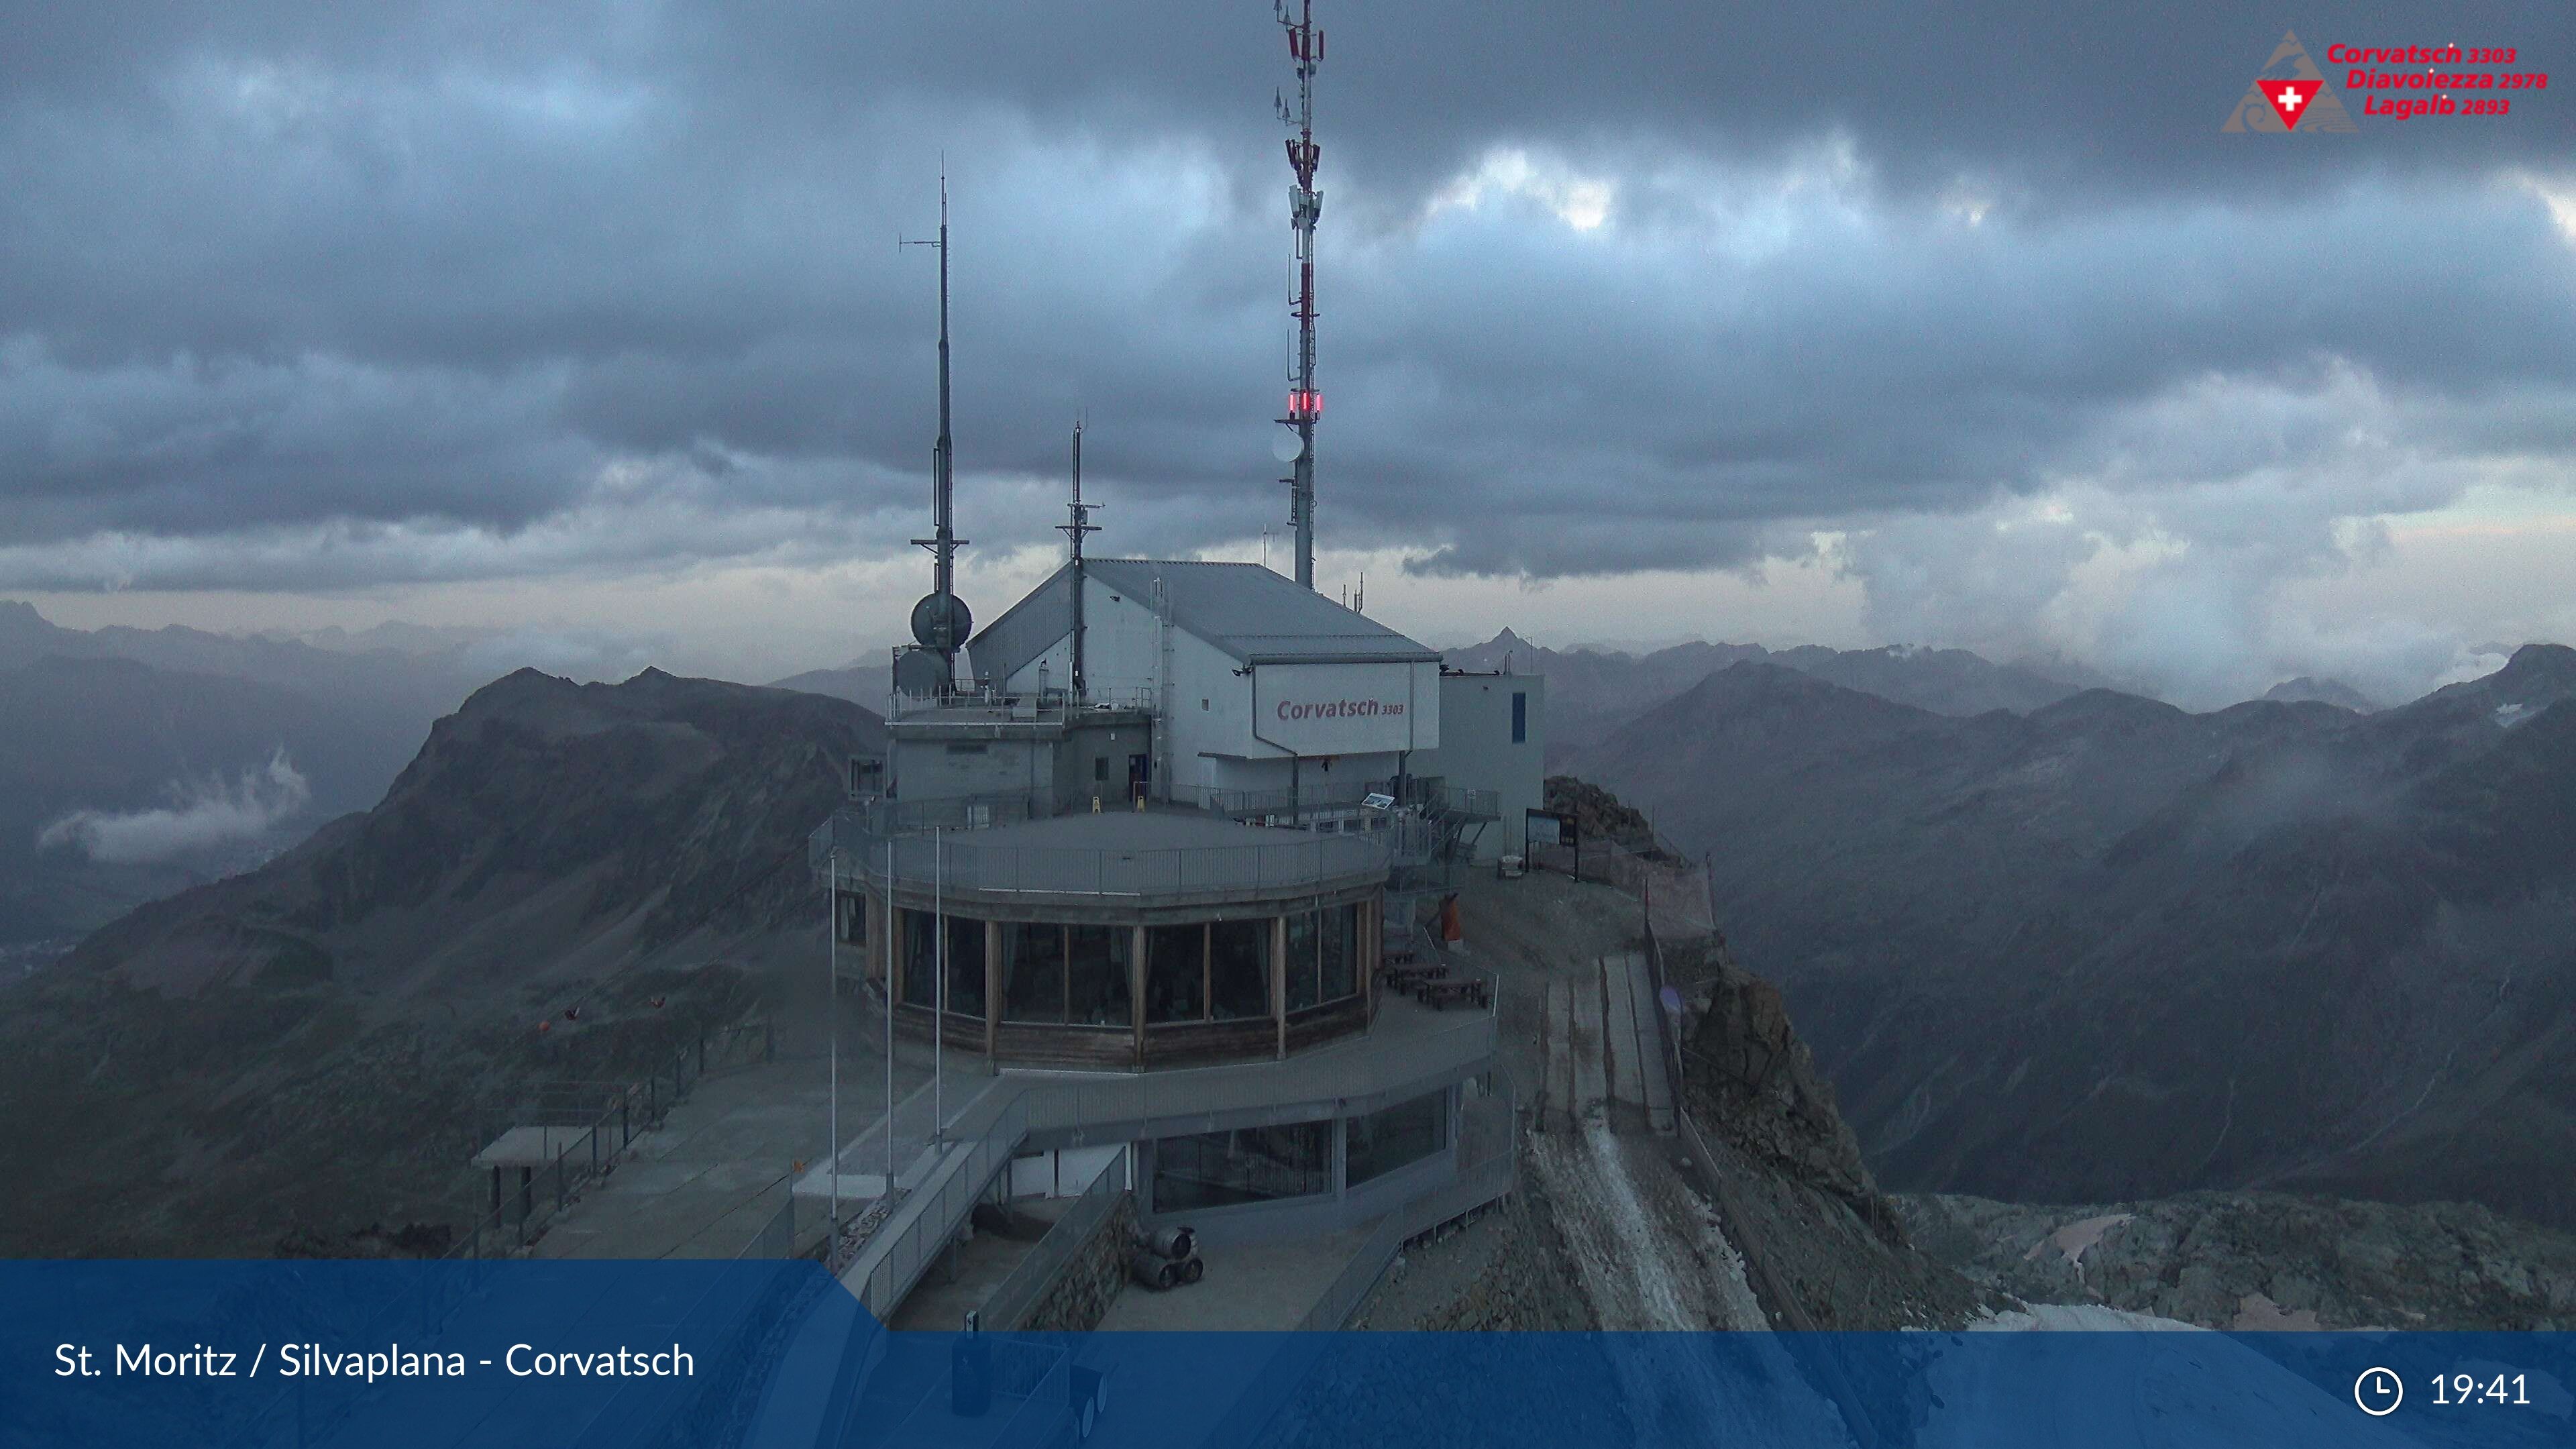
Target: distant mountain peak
(2541, 663)
(2308, 689)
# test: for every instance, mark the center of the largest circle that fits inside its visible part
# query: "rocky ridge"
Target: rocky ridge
(289, 1055)
(2261, 1261)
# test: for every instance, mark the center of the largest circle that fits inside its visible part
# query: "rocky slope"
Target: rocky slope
(1797, 1182)
(300, 1051)
(2256, 1261)
(2112, 950)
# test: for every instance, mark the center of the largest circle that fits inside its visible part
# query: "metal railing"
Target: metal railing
(964, 812)
(898, 1253)
(777, 1237)
(1476, 1185)
(1307, 803)
(310, 1409)
(1361, 1072)
(602, 1123)
(1052, 704)
(1299, 862)
(1008, 1306)
(1738, 1222)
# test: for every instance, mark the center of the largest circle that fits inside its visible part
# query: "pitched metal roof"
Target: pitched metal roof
(1244, 609)
(1026, 630)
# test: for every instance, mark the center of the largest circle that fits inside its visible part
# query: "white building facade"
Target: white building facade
(1257, 687)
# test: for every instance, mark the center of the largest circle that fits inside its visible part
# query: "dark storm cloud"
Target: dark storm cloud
(510, 269)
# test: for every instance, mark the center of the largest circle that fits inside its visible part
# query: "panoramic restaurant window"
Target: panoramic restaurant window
(1096, 966)
(965, 966)
(920, 958)
(1323, 956)
(1239, 969)
(1250, 1164)
(965, 962)
(1033, 974)
(1175, 974)
(1398, 1136)
(1054, 975)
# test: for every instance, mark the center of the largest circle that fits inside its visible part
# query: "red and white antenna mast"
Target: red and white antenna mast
(1305, 204)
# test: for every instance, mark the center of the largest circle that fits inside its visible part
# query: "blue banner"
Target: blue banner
(391, 1354)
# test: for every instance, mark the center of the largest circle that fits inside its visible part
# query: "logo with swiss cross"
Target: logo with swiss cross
(2289, 96)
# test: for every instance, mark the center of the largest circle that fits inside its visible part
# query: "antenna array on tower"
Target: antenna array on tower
(1305, 206)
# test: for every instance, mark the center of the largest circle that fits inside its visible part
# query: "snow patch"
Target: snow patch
(2078, 1318)
(2257, 1313)
(2075, 1239)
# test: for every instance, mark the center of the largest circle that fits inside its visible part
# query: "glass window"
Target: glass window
(1239, 969)
(1176, 973)
(1520, 718)
(1341, 927)
(1302, 981)
(1405, 1133)
(1099, 958)
(965, 966)
(1032, 973)
(850, 916)
(1251, 1164)
(920, 964)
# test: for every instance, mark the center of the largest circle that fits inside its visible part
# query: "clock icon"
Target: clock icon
(2378, 1391)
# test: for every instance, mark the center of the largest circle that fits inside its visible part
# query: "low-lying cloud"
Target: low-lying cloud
(202, 814)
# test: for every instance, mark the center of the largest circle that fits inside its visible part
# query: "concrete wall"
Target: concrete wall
(944, 769)
(1477, 751)
(1093, 758)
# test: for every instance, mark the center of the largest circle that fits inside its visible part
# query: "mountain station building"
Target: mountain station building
(1138, 869)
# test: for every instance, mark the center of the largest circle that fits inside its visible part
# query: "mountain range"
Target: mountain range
(135, 762)
(2107, 949)
(307, 1044)
(1591, 692)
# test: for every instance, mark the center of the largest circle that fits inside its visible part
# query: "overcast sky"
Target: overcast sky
(1959, 325)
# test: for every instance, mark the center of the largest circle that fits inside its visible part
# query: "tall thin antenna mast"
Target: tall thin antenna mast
(1305, 205)
(1081, 524)
(940, 621)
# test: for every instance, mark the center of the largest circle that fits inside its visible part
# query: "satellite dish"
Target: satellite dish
(1285, 445)
(925, 623)
(919, 672)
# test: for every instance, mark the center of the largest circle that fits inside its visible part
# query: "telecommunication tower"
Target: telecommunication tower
(941, 622)
(1305, 205)
(1081, 513)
